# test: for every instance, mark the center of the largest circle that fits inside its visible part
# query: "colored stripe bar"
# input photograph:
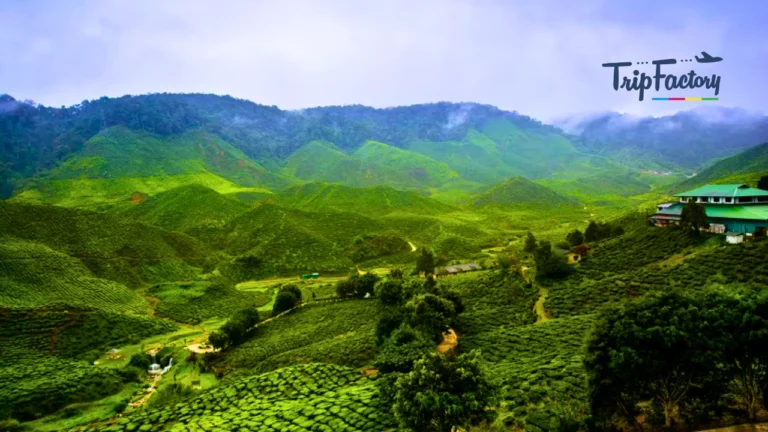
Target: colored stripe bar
(686, 98)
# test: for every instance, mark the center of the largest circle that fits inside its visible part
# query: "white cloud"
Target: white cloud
(541, 59)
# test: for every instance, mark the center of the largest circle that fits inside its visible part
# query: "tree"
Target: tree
(345, 288)
(530, 243)
(293, 289)
(443, 392)
(746, 353)
(432, 315)
(284, 301)
(549, 264)
(661, 348)
(694, 217)
(389, 292)
(401, 350)
(140, 360)
(617, 230)
(218, 340)
(426, 262)
(591, 234)
(575, 238)
(389, 322)
(763, 183)
(396, 273)
(364, 284)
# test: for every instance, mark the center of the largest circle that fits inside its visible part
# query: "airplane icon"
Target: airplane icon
(708, 58)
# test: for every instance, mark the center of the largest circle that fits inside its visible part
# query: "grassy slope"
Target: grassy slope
(521, 193)
(182, 208)
(373, 201)
(475, 158)
(118, 162)
(110, 246)
(299, 398)
(745, 167)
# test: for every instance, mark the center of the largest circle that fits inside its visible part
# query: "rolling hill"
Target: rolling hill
(109, 246)
(371, 201)
(745, 167)
(519, 192)
(185, 207)
(119, 165)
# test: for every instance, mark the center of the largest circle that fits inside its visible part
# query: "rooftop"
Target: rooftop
(751, 212)
(726, 191)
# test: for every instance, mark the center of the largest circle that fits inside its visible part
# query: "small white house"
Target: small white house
(734, 238)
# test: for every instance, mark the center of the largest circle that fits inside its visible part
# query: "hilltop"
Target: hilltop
(373, 201)
(185, 207)
(519, 192)
(119, 165)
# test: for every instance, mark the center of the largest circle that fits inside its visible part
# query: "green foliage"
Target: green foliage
(575, 238)
(369, 201)
(549, 264)
(443, 392)
(186, 209)
(733, 169)
(302, 397)
(401, 350)
(432, 315)
(693, 218)
(192, 302)
(539, 365)
(109, 246)
(390, 292)
(341, 333)
(426, 262)
(519, 192)
(666, 348)
(238, 326)
(530, 243)
(140, 360)
(284, 301)
(369, 247)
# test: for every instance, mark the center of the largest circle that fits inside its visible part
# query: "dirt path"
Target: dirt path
(761, 427)
(541, 313)
(413, 246)
(449, 343)
(150, 391)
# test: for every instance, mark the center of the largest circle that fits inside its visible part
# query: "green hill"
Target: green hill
(372, 201)
(519, 192)
(109, 246)
(184, 207)
(119, 164)
(745, 167)
(476, 157)
(322, 161)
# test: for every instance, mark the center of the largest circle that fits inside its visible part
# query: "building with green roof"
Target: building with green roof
(734, 208)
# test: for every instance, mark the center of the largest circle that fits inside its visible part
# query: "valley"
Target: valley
(300, 270)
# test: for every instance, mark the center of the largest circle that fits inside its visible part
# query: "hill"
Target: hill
(372, 201)
(686, 140)
(109, 246)
(744, 167)
(185, 207)
(119, 165)
(321, 161)
(519, 192)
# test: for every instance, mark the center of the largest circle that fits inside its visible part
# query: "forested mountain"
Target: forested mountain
(745, 167)
(686, 140)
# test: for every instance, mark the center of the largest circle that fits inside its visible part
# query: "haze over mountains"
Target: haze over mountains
(107, 150)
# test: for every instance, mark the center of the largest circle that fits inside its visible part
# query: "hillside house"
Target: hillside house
(733, 208)
(456, 269)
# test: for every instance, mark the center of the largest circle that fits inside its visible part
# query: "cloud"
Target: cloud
(538, 58)
(458, 117)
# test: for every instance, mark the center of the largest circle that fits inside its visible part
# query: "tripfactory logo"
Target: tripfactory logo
(642, 82)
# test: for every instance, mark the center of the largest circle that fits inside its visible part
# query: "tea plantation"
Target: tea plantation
(311, 397)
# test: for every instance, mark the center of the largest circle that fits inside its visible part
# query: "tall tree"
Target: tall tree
(530, 243)
(662, 348)
(592, 232)
(694, 218)
(426, 262)
(575, 238)
(443, 392)
(763, 183)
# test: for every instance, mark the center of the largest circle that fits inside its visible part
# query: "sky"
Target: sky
(540, 58)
